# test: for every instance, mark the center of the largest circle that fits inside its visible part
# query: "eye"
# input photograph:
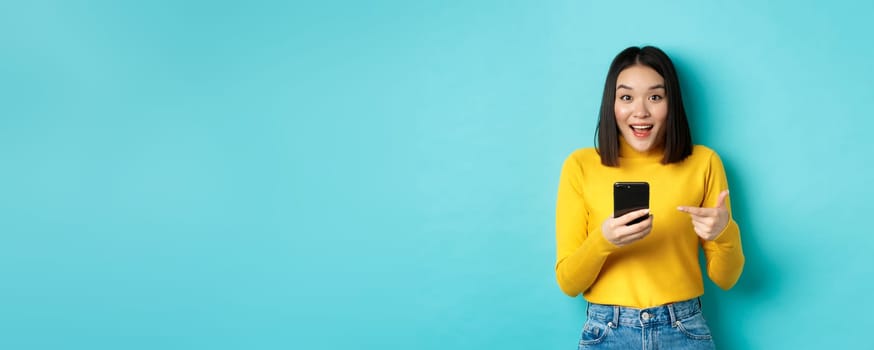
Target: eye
(625, 98)
(656, 98)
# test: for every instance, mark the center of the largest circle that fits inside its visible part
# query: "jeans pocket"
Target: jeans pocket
(694, 327)
(594, 332)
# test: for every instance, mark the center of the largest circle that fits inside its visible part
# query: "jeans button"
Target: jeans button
(645, 316)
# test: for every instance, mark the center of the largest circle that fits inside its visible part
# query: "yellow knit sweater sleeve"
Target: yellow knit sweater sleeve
(725, 258)
(581, 247)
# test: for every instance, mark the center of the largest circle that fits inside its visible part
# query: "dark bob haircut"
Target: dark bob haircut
(678, 137)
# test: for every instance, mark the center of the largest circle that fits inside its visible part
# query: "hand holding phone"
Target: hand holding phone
(631, 220)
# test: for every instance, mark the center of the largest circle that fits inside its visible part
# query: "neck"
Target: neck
(626, 151)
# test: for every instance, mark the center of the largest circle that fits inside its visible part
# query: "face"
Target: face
(641, 107)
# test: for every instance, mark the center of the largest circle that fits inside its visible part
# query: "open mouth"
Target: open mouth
(641, 130)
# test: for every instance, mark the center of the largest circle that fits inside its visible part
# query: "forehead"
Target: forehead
(639, 75)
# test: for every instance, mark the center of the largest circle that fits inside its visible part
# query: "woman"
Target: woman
(643, 280)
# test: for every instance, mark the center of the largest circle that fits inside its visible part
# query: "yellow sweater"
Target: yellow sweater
(662, 267)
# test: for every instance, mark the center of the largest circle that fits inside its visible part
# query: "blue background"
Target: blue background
(382, 175)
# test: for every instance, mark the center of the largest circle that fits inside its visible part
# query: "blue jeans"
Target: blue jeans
(677, 325)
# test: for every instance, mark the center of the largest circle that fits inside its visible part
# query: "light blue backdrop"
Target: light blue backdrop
(382, 175)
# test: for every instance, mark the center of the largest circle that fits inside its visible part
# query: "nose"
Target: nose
(641, 110)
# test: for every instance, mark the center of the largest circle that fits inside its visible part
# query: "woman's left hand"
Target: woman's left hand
(709, 222)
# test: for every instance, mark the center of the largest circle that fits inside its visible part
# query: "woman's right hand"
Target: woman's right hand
(616, 232)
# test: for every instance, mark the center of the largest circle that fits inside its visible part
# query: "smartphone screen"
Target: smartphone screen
(628, 197)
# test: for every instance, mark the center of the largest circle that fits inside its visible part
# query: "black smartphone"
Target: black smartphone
(628, 197)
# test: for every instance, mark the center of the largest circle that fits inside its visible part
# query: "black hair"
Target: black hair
(678, 137)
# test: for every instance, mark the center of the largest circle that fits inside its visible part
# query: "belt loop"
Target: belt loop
(615, 316)
(673, 316)
(700, 305)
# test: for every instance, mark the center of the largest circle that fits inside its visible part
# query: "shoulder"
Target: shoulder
(579, 160)
(703, 152)
(705, 155)
(583, 156)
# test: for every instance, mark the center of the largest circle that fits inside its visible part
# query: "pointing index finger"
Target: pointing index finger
(695, 211)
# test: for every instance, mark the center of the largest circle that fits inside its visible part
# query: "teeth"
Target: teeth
(641, 127)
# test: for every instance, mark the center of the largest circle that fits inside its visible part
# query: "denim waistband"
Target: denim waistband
(664, 314)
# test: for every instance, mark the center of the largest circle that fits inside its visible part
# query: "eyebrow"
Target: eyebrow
(657, 86)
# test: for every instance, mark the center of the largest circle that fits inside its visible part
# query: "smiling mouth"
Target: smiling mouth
(641, 130)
